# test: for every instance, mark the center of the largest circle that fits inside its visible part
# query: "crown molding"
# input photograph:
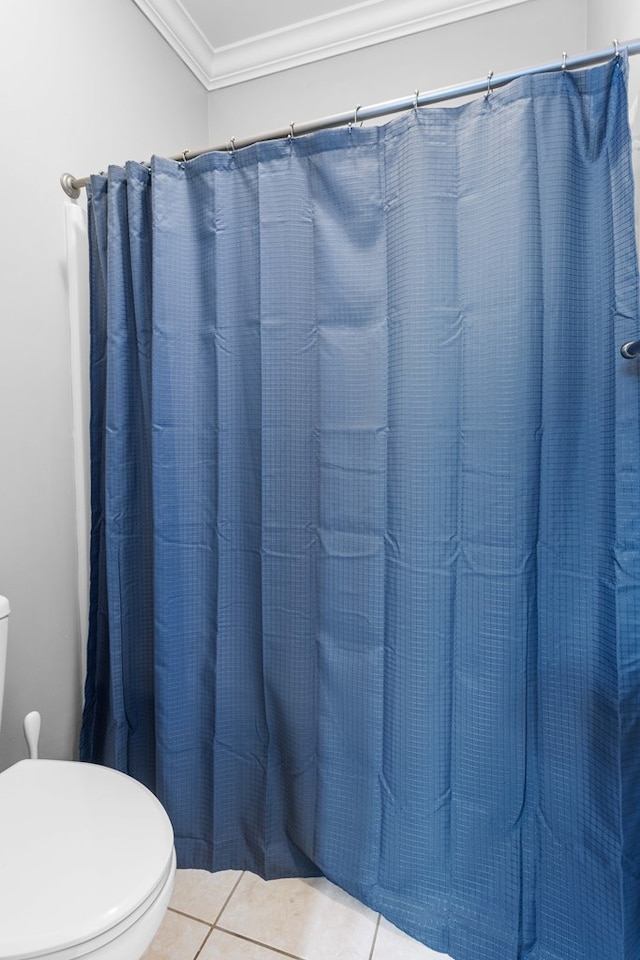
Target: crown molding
(181, 33)
(351, 28)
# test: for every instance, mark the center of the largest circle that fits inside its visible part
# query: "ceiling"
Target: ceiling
(224, 42)
(227, 23)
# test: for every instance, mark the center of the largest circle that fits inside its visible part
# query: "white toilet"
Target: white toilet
(87, 862)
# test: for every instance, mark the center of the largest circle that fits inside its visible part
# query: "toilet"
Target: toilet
(87, 860)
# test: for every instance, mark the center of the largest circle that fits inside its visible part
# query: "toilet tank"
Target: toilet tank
(4, 630)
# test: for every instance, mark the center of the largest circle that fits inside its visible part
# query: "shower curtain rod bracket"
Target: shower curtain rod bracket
(68, 183)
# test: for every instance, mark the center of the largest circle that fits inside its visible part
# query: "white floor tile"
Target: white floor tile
(179, 938)
(311, 919)
(394, 944)
(202, 894)
(224, 946)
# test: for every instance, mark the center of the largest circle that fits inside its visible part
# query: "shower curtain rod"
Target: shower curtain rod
(72, 185)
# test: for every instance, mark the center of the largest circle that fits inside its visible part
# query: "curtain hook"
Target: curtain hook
(617, 49)
(291, 134)
(355, 116)
(184, 155)
(415, 102)
(231, 146)
(564, 61)
(489, 90)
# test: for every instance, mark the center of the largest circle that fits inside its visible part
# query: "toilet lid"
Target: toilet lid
(81, 847)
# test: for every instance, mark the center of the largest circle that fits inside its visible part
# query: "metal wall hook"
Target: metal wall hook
(630, 350)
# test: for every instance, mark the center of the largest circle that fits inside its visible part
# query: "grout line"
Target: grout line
(201, 947)
(226, 903)
(375, 936)
(189, 916)
(208, 923)
(212, 926)
(259, 943)
(202, 923)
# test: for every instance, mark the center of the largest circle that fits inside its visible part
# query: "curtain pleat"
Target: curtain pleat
(365, 570)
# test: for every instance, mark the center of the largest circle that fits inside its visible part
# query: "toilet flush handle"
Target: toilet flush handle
(32, 733)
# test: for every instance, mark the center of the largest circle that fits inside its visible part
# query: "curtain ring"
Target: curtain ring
(489, 90)
(617, 49)
(564, 61)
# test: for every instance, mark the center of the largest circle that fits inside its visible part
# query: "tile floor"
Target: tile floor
(237, 916)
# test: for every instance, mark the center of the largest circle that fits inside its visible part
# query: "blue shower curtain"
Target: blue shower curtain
(365, 592)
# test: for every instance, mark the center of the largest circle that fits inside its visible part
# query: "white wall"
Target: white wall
(526, 34)
(84, 83)
(612, 18)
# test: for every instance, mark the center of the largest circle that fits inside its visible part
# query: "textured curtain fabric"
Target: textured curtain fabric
(365, 588)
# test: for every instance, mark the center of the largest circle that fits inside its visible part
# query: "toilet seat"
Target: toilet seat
(85, 853)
